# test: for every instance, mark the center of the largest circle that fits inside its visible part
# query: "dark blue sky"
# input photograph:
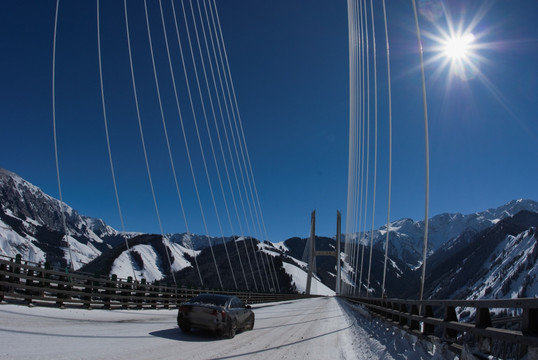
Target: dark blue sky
(289, 61)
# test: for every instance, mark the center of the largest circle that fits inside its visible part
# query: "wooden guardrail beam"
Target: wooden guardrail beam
(32, 283)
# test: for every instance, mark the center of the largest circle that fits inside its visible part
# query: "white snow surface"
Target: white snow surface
(281, 246)
(299, 277)
(33, 202)
(513, 270)
(269, 250)
(81, 253)
(152, 269)
(12, 244)
(178, 251)
(319, 328)
(407, 235)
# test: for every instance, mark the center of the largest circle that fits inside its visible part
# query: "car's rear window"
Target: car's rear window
(209, 299)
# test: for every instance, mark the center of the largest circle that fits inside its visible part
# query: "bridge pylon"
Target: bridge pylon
(313, 252)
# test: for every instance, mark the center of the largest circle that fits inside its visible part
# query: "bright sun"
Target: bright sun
(458, 47)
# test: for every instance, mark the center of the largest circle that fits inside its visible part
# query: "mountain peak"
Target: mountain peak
(32, 225)
(407, 235)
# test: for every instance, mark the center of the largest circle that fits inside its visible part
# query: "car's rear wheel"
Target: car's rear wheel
(232, 329)
(185, 327)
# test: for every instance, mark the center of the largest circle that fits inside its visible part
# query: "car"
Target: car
(221, 314)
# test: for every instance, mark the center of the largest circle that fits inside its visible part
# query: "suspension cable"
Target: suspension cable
(62, 214)
(212, 72)
(227, 139)
(157, 86)
(365, 9)
(358, 194)
(361, 135)
(358, 129)
(186, 142)
(390, 149)
(352, 43)
(207, 125)
(241, 159)
(427, 152)
(108, 141)
(353, 143)
(142, 131)
(189, 240)
(375, 147)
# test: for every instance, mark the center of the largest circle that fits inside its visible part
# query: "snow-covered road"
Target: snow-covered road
(320, 328)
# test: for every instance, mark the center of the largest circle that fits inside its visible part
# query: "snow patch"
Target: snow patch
(152, 264)
(178, 253)
(12, 244)
(300, 276)
(81, 254)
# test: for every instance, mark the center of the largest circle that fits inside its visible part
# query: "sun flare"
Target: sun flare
(457, 50)
(458, 47)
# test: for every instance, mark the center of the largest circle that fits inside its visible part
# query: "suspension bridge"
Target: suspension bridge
(206, 108)
(188, 67)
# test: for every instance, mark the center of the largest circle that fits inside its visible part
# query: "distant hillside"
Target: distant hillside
(31, 225)
(326, 267)
(406, 236)
(498, 262)
(253, 265)
(490, 254)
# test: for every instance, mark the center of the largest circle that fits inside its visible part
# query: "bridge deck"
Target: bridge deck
(319, 328)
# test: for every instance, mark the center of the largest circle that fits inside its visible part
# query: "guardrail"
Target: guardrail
(38, 285)
(505, 328)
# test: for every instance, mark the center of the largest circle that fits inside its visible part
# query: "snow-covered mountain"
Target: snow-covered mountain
(498, 262)
(487, 254)
(196, 242)
(512, 270)
(31, 225)
(406, 236)
(149, 257)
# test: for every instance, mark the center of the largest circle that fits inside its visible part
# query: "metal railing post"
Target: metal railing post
(529, 326)
(450, 315)
(415, 324)
(312, 255)
(482, 321)
(428, 329)
(403, 317)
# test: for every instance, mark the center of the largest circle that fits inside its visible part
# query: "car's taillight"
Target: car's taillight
(222, 314)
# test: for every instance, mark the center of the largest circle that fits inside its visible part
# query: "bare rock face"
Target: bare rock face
(32, 225)
(490, 254)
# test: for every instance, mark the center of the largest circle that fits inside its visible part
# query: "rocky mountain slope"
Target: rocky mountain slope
(498, 262)
(487, 254)
(31, 225)
(406, 236)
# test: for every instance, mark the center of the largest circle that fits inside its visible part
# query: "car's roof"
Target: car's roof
(220, 296)
(217, 299)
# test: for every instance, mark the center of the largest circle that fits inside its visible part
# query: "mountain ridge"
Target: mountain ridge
(31, 225)
(406, 236)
